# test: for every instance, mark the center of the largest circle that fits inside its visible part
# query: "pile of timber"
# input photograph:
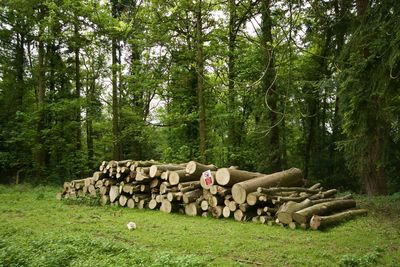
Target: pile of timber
(196, 189)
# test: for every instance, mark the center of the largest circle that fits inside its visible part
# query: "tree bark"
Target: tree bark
(291, 177)
(41, 154)
(156, 170)
(196, 169)
(304, 215)
(200, 80)
(317, 221)
(270, 90)
(115, 91)
(229, 177)
(77, 86)
(193, 209)
(192, 196)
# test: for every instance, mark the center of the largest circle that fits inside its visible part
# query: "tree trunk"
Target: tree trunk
(291, 177)
(77, 86)
(156, 170)
(193, 209)
(270, 90)
(192, 196)
(285, 212)
(200, 80)
(19, 69)
(114, 193)
(40, 154)
(233, 134)
(196, 169)
(317, 221)
(229, 177)
(304, 215)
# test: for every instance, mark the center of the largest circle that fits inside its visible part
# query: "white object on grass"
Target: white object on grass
(131, 225)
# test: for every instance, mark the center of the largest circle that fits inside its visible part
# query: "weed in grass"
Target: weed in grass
(369, 259)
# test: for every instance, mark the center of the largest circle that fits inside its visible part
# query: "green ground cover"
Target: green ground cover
(38, 230)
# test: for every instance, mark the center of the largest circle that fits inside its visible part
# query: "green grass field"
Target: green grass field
(38, 230)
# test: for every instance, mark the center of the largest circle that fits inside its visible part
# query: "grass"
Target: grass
(38, 230)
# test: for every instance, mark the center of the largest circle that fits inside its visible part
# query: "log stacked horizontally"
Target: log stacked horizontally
(196, 189)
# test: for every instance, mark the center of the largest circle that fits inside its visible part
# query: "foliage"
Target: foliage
(285, 83)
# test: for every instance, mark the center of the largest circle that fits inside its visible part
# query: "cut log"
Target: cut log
(239, 215)
(256, 219)
(155, 182)
(92, 191)
(286, 211)
(216, 211)
(325, 194)
(160, 198)
(232, 205)
(191, 196)
(164, 175)
(196, 169)
(144, 188)
(156, 170)
(226, 212)
(164, 187)
(265, 219)
(104, 200)
(317, 221)
(122, 200)
(215, 201)
(254, 198)
(168, 207)
(97, 176)
(229, 177)
(104, 190)
(98, 184)
(207, 182)
(143, 203)
(153, 204)
(130, 203)
(304, 215)
(193, 186)
(245, 207)
(141, 176)
(114, 193)
(275, 190)
(109, 182)
(193, 209)
(175, 177)
(147, 163)
(291, 177)
(204, 205)
(174, 196)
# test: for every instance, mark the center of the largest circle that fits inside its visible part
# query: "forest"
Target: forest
(261, 84)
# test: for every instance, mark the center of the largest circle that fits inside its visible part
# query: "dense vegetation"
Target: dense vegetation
(38, 230)
(264, 85)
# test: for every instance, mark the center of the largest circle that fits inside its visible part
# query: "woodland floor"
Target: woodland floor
(38, 230)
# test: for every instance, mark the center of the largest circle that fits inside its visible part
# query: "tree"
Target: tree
(367, 97)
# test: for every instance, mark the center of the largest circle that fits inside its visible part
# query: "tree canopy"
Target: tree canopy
(263, 85)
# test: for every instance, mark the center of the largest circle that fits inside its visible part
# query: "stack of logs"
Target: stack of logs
(196, 189)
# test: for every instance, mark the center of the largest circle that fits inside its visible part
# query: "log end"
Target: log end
(222, 176)
(192, 209)
(239, 194)
(191, 167)
(153, 171)
(315, 222)
(173, 178)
